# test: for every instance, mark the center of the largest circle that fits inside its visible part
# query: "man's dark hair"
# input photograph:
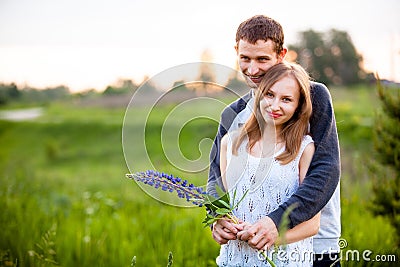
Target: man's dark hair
(261, 27)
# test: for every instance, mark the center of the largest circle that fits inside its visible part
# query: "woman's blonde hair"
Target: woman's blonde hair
(294, 129)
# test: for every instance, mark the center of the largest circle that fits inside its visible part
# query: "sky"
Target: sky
(89, 44)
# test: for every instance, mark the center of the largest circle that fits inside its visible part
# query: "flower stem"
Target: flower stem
(262, 252)
(233, 218)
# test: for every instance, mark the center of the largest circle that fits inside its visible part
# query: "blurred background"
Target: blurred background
(77, 76)
(90, 44)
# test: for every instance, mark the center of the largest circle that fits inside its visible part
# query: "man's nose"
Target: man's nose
(253, 68)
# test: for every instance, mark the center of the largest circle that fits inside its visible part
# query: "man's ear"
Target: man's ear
(236, 48)
(283, 53)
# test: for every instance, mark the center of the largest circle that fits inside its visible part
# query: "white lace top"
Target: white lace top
(269, 184)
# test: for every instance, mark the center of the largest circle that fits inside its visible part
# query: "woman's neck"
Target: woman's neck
(271, 132)
(269, 144)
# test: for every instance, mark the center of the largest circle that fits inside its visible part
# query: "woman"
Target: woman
(265, 161)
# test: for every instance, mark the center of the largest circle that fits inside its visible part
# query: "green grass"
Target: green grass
(355, 110)
(68, 171)
(65, 172)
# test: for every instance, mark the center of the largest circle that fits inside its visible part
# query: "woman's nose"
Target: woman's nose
(274, 104)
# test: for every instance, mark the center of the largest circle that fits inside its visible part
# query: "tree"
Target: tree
(236, 82)
(329, 57)
(344, 58)
(179, 86)
(386, 173)
(122, 86)
(8, 93)
(206, 75)
(110, 90)
(312, 54)
(236, 85)
(147, 86)
(56, 93)
(126, 86)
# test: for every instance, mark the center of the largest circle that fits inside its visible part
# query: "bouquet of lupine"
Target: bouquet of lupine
(219, 208)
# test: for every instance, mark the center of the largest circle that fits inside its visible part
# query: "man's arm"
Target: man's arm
(223, 230)
(324, 171)
(228, 116)
(214, 176)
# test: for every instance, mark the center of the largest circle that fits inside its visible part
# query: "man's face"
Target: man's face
(255, 59)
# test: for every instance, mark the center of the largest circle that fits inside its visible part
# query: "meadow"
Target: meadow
(65, 199)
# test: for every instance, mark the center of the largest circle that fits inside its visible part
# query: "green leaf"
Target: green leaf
(209, 198)
(223, 211)
(210, 221)
(224, 203)
(237, 204)
(234, 197)
(284, 225)
(133, 261)
(268, 259)
(220, 191)
(213, 204)
(170, 259)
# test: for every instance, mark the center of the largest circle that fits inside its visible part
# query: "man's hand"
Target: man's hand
(261, 235)
(225, 230)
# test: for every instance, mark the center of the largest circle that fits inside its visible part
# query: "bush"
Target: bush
(386, 178)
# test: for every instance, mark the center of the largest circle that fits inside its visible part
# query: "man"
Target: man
(259, 45)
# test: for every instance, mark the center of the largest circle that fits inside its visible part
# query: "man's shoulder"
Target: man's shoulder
(319, 91)
(318, 88)
(238, 105)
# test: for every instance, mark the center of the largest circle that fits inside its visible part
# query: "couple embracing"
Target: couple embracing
(278, 146)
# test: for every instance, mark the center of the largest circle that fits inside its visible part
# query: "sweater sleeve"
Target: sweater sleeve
(214, 176)
(228, 116)
(323, 174)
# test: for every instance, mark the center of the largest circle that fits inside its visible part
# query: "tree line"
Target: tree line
(330, 57)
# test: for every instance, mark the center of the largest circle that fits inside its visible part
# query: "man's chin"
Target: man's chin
(251, 84)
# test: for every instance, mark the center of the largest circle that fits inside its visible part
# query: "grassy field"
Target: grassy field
(64, 198)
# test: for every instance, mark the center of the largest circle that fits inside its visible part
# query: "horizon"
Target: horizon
(92, 45)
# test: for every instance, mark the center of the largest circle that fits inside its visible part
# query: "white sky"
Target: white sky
(91, 43)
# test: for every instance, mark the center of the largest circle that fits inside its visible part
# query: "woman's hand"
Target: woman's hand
(224, 230)
(261, 235)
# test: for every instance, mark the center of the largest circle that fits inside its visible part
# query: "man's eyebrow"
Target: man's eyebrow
(265, 56)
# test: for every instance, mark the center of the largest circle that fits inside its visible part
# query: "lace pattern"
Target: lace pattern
(270, 184)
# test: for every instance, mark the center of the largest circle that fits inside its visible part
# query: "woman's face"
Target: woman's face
(281, 101)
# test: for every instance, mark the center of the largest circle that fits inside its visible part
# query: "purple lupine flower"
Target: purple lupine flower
(218, 207)
(168, 182)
